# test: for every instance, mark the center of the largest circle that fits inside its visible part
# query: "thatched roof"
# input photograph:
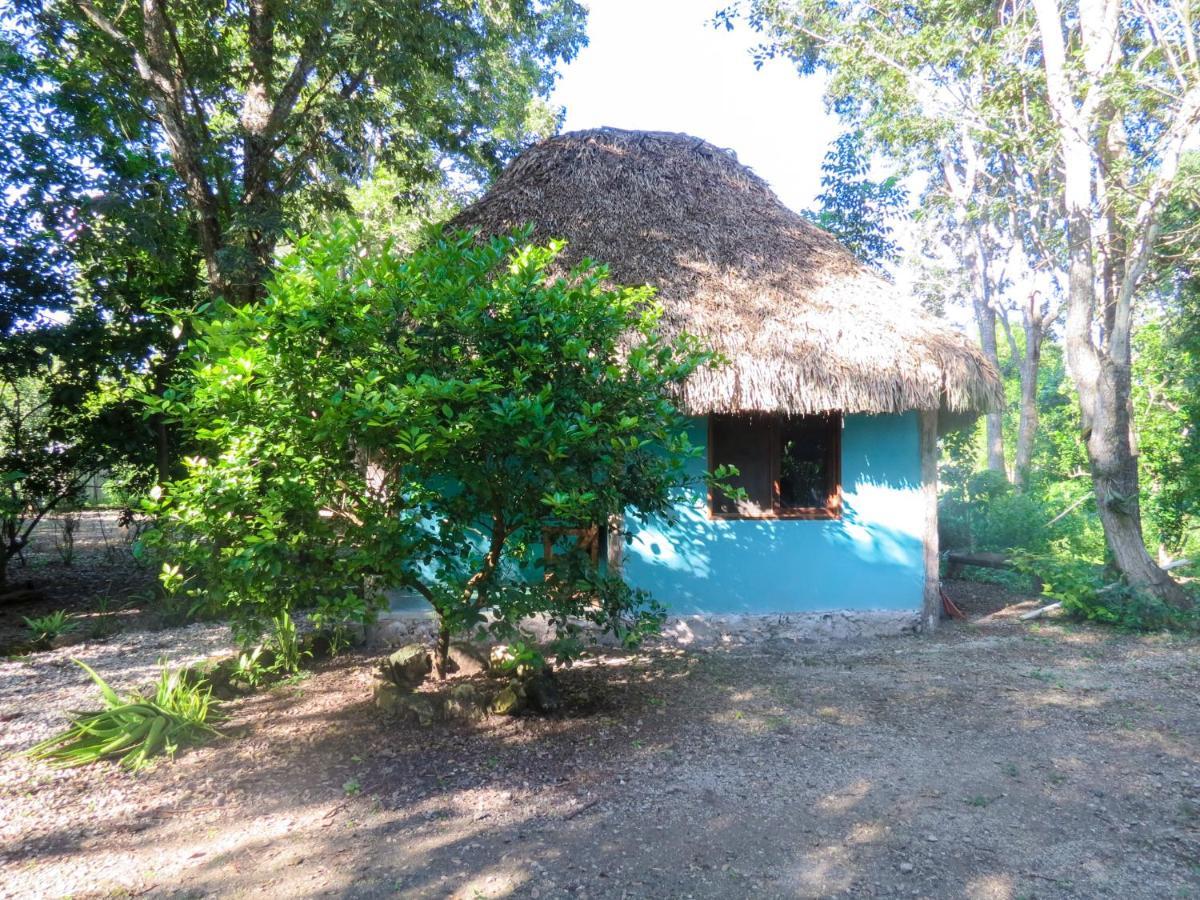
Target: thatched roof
(805, 326)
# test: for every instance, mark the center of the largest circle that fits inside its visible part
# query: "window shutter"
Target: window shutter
(744, 442)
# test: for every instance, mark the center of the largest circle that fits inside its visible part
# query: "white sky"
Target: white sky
(659, 65)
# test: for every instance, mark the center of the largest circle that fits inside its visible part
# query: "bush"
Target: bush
(44, 629)
(419, 421)
(1080, 587)
(137, 728)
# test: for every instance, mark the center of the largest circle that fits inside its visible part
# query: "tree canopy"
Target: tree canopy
(263, 108)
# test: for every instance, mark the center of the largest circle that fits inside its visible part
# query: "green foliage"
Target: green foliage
(285, 642)
(256, 117)
(418, 421)
(44, 629)
(855, 209)
(1166, 379)
(985, 512)
(56, 431)
(136, 729)
(1080, 587)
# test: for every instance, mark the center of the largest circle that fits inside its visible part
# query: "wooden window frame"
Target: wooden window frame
(588, 538)
(832, 510)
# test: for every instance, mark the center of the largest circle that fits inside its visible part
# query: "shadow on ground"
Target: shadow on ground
(988, 762)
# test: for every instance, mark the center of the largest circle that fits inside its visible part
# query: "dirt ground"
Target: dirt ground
(989, 760)
(101, 568)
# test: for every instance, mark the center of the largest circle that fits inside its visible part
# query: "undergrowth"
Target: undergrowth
(136, 729)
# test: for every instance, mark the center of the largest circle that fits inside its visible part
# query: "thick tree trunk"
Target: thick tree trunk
(1101, 375)
(1115, 480)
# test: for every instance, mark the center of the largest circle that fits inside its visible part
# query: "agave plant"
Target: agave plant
(46, 628)
(136, 728)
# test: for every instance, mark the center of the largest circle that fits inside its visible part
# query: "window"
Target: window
(789, 466)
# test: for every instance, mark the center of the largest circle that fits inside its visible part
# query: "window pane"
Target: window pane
(743, 442)
(805, 477)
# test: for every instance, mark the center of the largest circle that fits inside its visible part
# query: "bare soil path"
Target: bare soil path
(990, 760)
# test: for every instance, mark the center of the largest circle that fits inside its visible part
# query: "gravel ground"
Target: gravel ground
(990, 760)
(37, 688)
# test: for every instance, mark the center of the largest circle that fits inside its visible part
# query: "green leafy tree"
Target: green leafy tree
(266, 109)
(57, 430)
(1166, 375)
(1086, 104)
(419, 421)
(855, 209)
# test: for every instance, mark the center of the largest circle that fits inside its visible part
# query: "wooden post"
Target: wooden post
(931, 612)
(615, 545)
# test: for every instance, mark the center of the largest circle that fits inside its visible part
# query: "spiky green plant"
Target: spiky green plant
(136, 728)
(46, 628)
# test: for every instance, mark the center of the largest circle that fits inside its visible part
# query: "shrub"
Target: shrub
(1080, 587)
(419, 421)
(135, 729)
(44, 629)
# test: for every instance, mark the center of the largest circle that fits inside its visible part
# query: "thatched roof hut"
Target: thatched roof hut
(806, 327)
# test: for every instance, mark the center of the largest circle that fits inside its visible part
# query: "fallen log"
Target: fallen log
(1040, 611)
(957, 560)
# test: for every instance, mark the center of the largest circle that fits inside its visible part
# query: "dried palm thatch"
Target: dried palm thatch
(806, 327)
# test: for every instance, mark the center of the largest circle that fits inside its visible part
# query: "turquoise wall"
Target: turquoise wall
(870, 558)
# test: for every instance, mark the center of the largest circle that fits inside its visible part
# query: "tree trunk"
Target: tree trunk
(441, 653)
(1115, 480)
(1028, 422)
(1101, 376)
(985, 316)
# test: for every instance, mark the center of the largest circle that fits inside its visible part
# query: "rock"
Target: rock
(499, 658)
(408, 666)
(465, 702)
(541, 690)
(467, 659)
(420, 707)
(510, 701)
(388, 696)
(220, 674)
(906, 868)
(68, 639)
(395, 700)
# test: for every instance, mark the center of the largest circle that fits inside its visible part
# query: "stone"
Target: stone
(394, 700)
(420, 707)
(388, 696)
(500, 657)
(467, 659)
(541, 690)
(221, 675)
(68, 639)
(465, 701)
(906, 868)
(408, 666)
(510, 701)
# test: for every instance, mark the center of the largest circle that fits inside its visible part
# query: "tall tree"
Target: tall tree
(1122, 80)
(1099, 95)
(264, 106)
(855, 208)
(905, 87)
